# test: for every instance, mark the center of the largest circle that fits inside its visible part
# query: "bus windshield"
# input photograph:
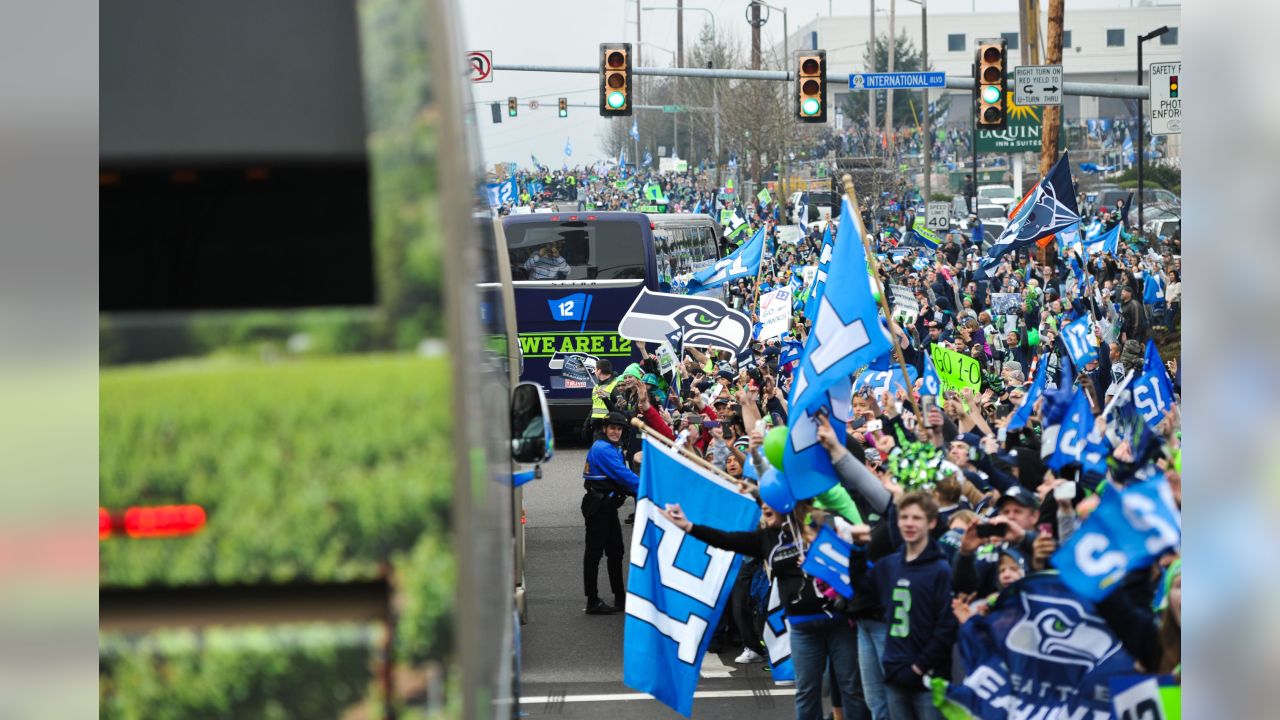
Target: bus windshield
(576, 250)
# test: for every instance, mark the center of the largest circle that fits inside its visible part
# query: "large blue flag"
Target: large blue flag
(678, 585)
(803, 209)
(1128, 530)
(1041, 652)
(846, 336)
(820, 279)
(1153, 395)
(1064, 443)
(741, 263)
(1051, 209)
(932, 385)
(1023, 413)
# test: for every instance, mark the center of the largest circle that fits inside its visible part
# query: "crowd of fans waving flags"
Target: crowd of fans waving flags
(930, 451)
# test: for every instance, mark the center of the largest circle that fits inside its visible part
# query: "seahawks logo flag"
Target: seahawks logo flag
(1041, 652)
(697, 321)
(741, 263)
(1051, 209)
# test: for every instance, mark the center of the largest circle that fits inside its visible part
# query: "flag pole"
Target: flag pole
(652, 434)
(884, 302)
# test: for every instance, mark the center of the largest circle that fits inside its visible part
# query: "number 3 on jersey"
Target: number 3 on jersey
(901, 612)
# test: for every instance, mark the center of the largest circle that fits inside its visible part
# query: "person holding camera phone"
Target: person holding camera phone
(976, 564)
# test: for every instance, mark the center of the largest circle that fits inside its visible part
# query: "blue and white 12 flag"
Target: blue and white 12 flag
(568, 147)
(1078, 338)
(678, 586)
(741, 263)
(803, 210)
(846, 335)
(828, 560)
(1064, 443)
(932, 385)
(1128, 530)
(1051, 209)
(635, 130)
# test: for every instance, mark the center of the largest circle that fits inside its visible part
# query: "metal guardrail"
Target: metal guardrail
(1130, 92)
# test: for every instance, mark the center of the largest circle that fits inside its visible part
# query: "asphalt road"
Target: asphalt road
(572, 662)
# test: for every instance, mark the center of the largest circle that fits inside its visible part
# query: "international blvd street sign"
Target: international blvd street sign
(897, 81)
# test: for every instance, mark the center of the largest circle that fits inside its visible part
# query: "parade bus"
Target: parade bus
(575, 275)
(311, 443)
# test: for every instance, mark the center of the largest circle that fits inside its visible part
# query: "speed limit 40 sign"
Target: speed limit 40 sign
(939, 216)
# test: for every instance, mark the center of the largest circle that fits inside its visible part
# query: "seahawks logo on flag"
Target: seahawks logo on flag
(694, 320)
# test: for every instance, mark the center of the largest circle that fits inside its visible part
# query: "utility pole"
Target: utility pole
(871, 96)
(755, 36)
(635, 118)
(1052, 113)
(893, 46)
(675, 120)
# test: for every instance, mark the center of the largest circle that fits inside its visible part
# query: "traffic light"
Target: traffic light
(496, 109)
(989, 84)
(615, 79)
(564, 107)
(811, 86)
(512, 106)
(1173, 86)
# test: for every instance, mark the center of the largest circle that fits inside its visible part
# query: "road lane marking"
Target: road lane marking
(714, 667)
(781, 691)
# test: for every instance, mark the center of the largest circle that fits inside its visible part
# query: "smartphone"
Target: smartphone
(990, 530)
(926, 402)
(1002, 433)
(1045, 529)
(857, 422)
(873, 426)
(1065, 491)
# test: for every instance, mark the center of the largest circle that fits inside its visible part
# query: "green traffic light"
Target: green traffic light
(616, 100)
(810, 106)
(564, 113)
(990, 94)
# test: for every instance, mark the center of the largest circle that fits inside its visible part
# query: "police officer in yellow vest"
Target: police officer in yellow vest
(601, 403)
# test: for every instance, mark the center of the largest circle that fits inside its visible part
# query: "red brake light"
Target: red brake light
(573, 218)
(104, 524)
(555, 218)
(163, 521)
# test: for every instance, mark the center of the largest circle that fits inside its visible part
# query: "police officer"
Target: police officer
(601, 400)
(607, 481)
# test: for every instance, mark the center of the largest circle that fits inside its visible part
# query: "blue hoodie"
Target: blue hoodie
(916, 596)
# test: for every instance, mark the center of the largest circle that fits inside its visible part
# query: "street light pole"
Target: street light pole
(1140, 146)
(714, 83)
(927, 129)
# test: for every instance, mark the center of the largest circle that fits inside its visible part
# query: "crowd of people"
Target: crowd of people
(947, 502)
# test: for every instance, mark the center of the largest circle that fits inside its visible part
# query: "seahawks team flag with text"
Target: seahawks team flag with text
(678, 586)
(1040, 652)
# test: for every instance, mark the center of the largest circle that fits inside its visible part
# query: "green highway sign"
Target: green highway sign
(673, 108)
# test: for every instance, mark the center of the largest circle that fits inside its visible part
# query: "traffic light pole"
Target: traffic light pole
(1124, 92)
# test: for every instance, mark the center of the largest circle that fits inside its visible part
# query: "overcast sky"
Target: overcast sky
(558, 32)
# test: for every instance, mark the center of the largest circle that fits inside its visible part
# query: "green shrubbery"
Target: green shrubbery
(330, 469)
